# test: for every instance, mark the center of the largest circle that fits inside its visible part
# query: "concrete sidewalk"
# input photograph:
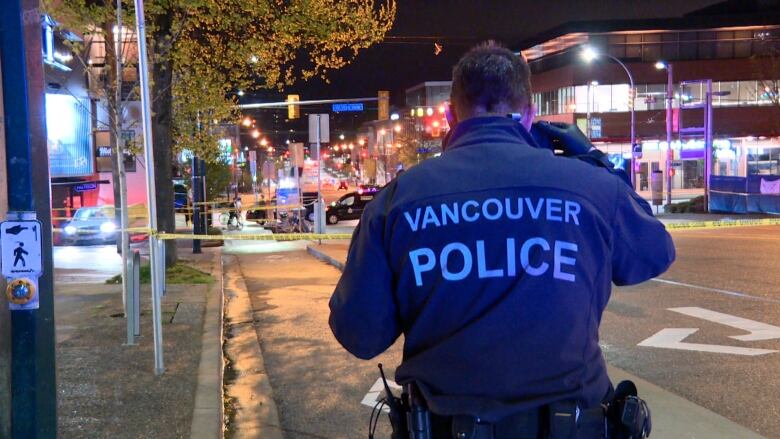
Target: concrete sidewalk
(108, 389)
(673, 416)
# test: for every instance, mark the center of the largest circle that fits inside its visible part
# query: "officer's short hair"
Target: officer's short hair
(490, 74)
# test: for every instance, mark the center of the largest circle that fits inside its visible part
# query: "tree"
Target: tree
(101, 54)
(203, 51)
(412, 149)
(206, 50)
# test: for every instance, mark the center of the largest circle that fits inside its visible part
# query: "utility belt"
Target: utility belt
(623, 416)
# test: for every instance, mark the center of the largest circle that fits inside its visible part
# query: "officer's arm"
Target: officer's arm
(363, 312)
(642, 248)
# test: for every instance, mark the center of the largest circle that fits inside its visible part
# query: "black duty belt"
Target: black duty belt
(561, 420)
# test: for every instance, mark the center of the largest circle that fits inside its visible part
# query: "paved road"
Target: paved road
(730, 271)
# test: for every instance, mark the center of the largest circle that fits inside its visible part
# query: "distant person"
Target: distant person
(235, 211)
(495, 261)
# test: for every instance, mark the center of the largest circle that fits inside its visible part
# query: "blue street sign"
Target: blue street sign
(339, 108)
(84, 187)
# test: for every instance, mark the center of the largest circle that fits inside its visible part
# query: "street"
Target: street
(723, 284)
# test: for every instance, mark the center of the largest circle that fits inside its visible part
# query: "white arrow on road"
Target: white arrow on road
(672, 338)
(757, 330)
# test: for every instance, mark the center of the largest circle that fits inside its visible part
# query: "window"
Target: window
(732, 98)
(658, 92)
(617, 46)
(724, 47)
(669, 46)
(651, 47)
(633, 46)
(581, 99)
(743, 43)
(747, 92)
(706, 45)
(349, 201)
(619, 98)
(763, 161)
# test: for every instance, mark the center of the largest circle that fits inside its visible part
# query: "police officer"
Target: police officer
(495, 261)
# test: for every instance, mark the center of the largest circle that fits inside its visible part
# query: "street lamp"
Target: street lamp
(591, 84)
(589, 54)
(255, 134)
(660, 65)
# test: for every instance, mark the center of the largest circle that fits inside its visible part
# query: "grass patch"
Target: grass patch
(178, 274)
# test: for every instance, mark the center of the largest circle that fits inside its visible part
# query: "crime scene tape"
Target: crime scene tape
(723, 224)
(64, 218)
(256, 237)
(92, 232)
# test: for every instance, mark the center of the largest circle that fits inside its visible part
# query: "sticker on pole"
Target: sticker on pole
(20, 243)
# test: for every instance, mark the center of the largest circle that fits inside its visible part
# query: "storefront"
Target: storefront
(737, 157)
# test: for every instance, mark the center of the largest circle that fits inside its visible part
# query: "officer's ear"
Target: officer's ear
(452, 116)
(528, 116)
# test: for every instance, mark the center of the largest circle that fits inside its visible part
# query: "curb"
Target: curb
(208, 412)
(255, 414)
(324, 257)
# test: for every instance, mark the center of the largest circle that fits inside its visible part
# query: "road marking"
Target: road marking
(672, 338)
(757, 330)
(716, 290)
(377, 392)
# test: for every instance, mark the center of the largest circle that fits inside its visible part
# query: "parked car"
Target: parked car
(368, 188)
(91, 225)
(349, 206)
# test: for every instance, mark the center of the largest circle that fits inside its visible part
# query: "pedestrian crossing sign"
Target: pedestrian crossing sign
(20, 245)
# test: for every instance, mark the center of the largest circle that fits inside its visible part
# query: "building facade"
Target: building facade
(733, 44)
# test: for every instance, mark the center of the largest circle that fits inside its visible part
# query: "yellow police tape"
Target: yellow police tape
(256, 237)
(129, 230)
(309, 236)
(723, 223)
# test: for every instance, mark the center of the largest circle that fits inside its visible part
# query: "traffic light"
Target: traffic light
(293, 110)
(383, 112)
(631, 97)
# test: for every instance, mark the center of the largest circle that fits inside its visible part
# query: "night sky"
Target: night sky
(407, 56)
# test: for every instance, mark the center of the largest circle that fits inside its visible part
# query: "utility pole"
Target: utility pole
(33, 386)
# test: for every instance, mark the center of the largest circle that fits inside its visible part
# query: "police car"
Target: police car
(349, 206)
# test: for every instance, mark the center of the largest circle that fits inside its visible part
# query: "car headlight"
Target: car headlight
(70, 230)
(107, 227)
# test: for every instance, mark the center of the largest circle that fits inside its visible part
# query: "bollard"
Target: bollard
(161, 267)
(133, 315)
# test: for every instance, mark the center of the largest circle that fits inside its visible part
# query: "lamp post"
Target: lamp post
(591, 84)
(669, 153)
(589, 54)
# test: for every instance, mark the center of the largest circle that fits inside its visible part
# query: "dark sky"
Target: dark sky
(407, 57)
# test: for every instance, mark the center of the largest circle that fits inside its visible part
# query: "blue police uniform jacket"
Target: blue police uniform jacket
(495, 261)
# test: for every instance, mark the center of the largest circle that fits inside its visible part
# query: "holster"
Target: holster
(628, 416)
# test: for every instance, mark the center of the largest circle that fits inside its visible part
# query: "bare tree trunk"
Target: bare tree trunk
(162, 129)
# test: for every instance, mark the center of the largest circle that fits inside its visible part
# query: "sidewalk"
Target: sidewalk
(108, 389)
(673, 416)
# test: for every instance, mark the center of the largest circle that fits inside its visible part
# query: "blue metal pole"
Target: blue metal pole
(196, 200)
(33, 387)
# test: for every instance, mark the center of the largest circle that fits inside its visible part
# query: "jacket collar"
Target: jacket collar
(487, 129)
